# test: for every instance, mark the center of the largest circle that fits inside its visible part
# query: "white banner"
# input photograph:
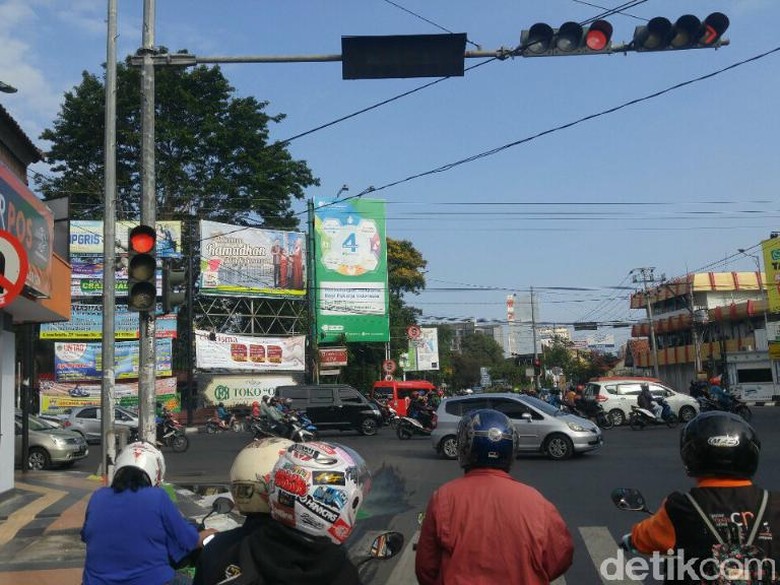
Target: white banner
(258, 354)
(424, 351)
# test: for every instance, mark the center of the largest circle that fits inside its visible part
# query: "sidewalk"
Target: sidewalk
(40, 523)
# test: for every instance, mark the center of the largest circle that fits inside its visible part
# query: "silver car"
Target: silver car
(542, 428)
(48, 445)
(86, 421)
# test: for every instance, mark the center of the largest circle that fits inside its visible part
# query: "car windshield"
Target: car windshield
(541, 405)
(36, 424)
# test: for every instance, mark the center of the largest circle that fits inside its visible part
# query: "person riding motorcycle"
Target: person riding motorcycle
(720, 396)
(250, 478)
(486, 527)
(224, 417)
(255, 409)
(275, 416)
(132, 529)
(301, 545)
(419, 409)
(646, 400)
(721, 452)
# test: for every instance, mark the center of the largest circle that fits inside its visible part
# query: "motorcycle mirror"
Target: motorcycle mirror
(222, 505)
(387, 545)
(629, 499)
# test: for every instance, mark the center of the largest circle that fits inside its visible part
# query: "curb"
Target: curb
(763, 403)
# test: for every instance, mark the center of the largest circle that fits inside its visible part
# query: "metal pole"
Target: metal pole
(647, 276)
(313, 294)
(533, 332)
(190, 317)
(147, 355)
(108, 440)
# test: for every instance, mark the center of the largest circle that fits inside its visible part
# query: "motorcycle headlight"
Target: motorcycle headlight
(576, 427)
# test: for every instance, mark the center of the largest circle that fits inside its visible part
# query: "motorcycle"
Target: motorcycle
(185, 569)
(737, 407)
(389, 415)
(215, 425)
(409, 426)
(299, 428)
(592, 410)
(171, 434)
(641, 417)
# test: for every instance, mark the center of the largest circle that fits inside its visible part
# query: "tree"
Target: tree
(477, 351)
(212, 150)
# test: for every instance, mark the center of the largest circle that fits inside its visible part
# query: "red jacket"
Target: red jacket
(486, 528)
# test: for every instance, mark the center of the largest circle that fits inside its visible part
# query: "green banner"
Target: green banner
(350, 273)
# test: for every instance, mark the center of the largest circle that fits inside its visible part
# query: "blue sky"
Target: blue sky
(678, 182)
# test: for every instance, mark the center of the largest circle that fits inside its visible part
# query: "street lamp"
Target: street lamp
(5, 88)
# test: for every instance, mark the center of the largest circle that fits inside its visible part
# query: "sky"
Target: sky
(678, 181)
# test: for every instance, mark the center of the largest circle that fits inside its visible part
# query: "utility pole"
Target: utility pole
(646, 277)
(533, 333)
(313, 296)
(147, 356)
(108, 440)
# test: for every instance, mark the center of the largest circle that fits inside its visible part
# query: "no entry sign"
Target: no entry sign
(13, 268)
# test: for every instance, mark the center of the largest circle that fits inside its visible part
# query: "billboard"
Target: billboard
(251, 262)
(86, 322)
(59, 397)
(86, 238)
(234, 390)
(83, 361)
(258, 354)
(351, 270)
(424, 351)
(771, 250)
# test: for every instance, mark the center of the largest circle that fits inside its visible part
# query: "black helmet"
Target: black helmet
(486, 438)
(221, 405)
(644, 386)
(719, 444)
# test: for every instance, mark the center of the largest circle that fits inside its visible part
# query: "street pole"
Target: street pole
(147, 353)
(190, 317)
(108, 440)
(533, 332)
(313, 294)
(648, 277)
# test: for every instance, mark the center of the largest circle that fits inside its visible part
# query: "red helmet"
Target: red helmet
(255, 403)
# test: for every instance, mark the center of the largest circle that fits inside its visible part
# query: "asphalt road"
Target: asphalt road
(405, 473)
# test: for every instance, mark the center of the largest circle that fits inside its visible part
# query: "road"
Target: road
(405, 473)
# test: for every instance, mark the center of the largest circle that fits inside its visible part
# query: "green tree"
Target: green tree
(212, 151)
(477, 351)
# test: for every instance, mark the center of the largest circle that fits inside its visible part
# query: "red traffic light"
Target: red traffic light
(541, 40)
(714, 26)
(141, 239)
(688, 32)
(599, 35)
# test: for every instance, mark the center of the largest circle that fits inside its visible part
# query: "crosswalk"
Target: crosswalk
(599, 542)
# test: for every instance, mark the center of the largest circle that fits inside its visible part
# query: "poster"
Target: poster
(351, 271)
(259, 354)
(58, 397)
(86, 322)
(771, 250)
(424, 351)
(82, 361)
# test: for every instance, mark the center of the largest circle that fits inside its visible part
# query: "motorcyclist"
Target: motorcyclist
(722, 398)
(302, 544)
(250, 478)
(721, 452)
(420, 410)
(275, 416)
(223, 416)
(132, 529)
(646, 400)
(255, 409)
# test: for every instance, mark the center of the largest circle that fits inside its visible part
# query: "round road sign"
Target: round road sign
(389, 378)
(13, 268)
(413, 332)
(388, 366)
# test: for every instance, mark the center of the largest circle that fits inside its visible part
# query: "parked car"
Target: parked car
(617, 395)
(48, 445)
(542, 428)
(334, 406)
(86, 421)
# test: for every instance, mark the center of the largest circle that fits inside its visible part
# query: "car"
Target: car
(542, 428)
(334, 406)
(617, 395)
(86, 421)
(48, 445)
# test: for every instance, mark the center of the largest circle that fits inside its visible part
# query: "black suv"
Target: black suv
(334, 406)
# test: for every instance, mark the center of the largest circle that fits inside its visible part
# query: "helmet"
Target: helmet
(221, 405)
(145, 457)
(255, 404)
(318, 489)
(719, 444)
(644, 386)
(486, 438)
(250, 474)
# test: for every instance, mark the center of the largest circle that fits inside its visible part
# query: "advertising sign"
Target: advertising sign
(242, 390)
(251, 262)
(86, 322)
(13, 268)
(333, 357)
(28, 219)
(82, 361)
(771, 250)
(351, 270)
(57, 397)
(424, 351)
(86, 238)
(259, 354)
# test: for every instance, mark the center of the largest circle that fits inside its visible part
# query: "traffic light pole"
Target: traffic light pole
(147, 319)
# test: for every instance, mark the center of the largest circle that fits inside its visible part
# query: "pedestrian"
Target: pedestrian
(132, 529)
(486, 527)
(250, 478)
(721, 452)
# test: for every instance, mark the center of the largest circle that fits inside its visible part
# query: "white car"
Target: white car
(617, 395)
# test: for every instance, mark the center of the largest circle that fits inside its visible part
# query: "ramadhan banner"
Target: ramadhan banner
(86, 322)
(260, 354)
(58, 398)
(82, 361)
(771, 249)
(251, 262)
(351, 271)
(424, 351)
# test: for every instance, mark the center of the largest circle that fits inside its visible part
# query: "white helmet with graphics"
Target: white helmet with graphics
(318, 489)
(250, 475)
(145, 457)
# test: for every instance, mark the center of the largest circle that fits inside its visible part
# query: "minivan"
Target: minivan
(398, 392)
(334, 406)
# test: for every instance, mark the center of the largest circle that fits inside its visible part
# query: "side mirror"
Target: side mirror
(222, 505)
(526, 416)
(387, 545)
(629, 499)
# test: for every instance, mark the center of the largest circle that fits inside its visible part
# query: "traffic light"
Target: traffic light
(537, 366)
(688, 32)
(541, 40)
(141, 269)
(172, 279)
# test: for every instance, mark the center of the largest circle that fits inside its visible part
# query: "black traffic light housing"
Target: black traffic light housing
(172, 279)
(141, 269)
(688, 32)
(541, 40)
